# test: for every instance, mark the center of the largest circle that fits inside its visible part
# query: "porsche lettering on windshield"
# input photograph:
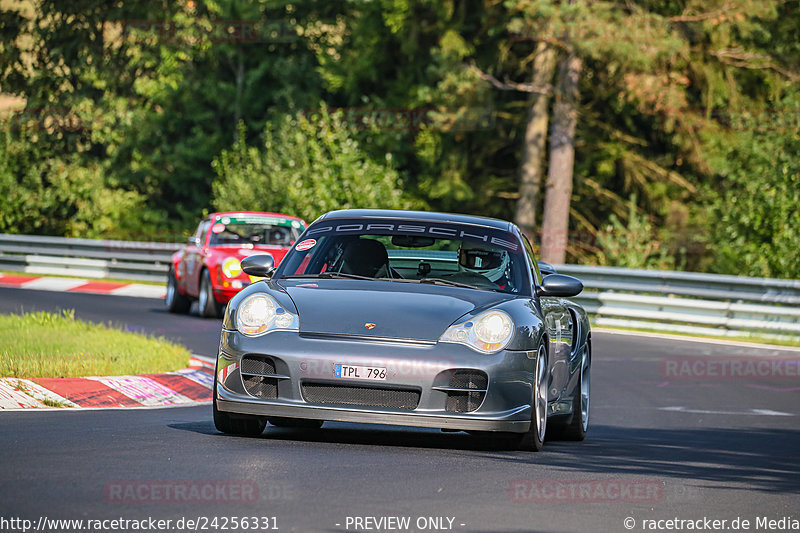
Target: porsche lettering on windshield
(437, 231)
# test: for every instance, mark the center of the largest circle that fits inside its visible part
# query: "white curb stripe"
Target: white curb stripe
(200, 362)
(10, 398)
(40, 393)
(140, 291)
(144, 390)
(198, 376)
(54, 284)
(137, 290)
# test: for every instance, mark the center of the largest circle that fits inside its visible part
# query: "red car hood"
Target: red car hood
(277, 252)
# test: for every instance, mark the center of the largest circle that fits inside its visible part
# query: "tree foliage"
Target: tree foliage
(274, 176)
(754, 204)
(690, 107)
(61, 195)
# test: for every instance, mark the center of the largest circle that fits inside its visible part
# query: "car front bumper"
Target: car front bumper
(426, 368)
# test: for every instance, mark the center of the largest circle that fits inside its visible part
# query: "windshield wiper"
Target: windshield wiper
(327, 275)
(429, 281)
(434, 281)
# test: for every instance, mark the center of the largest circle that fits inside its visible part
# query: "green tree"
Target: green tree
(632, 245)
(63, 195)
(305, 167)
(754, 202)
(209, 85)
(159, 87)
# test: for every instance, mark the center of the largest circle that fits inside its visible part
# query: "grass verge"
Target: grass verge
(51, 345)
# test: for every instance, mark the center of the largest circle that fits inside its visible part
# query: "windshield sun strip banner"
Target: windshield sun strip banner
(484, 235)
(261, 220)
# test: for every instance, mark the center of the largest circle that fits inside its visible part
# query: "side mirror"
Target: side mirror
(261, 265)
(559, 285)
(193, 241)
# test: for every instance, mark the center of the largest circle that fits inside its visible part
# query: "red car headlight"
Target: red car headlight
(231, 267)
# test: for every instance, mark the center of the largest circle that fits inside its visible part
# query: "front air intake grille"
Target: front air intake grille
(465, 401)
(257, 365)
(365, 396)
(255, 377)
(261, 387)
(469, 379)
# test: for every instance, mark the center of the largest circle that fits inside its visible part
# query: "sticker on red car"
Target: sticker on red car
(218, 228)
(305, 245)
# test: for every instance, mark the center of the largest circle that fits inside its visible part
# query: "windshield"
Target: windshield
(255, 230)
(452, 254)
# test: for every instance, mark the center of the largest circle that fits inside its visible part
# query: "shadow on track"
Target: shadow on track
(369, 435)
(761, 459)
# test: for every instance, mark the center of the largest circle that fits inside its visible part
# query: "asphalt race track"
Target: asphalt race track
(657, 448)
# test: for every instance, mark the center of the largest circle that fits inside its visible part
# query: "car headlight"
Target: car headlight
(487, 333)
(231, 267)
(259, 314)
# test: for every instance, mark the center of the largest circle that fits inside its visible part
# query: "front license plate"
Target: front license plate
(359, 372)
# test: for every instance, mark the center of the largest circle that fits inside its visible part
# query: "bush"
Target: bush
(632, 245)
(305, 168)
(754, 209)
(64, 196)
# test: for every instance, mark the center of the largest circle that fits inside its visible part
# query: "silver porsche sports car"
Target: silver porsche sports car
(407, 318)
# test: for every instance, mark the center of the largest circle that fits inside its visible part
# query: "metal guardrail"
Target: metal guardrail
(90, 258)
(694, 284)
(689, 302)
(617, 297)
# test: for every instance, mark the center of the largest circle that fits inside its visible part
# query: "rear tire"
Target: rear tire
(576, 429)
(176, 302)
(244, 425)
(206, 303)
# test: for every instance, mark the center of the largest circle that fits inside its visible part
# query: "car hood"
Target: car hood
(397, 310)
(277, 252)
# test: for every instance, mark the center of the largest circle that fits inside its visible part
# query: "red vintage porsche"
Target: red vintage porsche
(208, 268)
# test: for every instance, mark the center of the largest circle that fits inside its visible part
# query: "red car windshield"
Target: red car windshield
(236, 231)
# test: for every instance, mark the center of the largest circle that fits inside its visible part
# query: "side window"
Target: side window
(202, 230)
(529, 250)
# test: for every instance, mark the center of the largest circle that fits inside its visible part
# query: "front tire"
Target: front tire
(206, 303)
(533, 440)
(244, 425)
(176, 302)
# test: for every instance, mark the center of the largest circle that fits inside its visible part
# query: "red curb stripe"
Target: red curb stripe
(101, 287)
(15, 281)
(201, 364)
(86, 392)
(182, 385)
